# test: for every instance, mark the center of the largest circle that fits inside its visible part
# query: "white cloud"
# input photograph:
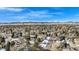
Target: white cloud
(77, 15)
(36, 15)
(20, 17)
(42, 14)
(58, 13)
(11, 9)
(39, 14)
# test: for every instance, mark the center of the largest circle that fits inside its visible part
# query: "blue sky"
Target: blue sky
(39, 14)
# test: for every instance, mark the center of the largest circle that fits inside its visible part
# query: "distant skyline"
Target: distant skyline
(39, 14)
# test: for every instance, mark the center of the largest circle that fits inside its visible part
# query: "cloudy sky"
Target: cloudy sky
(39, 14)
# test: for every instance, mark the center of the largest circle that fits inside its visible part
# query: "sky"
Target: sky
(39, 14)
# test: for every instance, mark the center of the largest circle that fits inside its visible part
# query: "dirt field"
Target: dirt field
(39, 37)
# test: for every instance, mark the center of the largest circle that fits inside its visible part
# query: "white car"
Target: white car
(2, 49)
(43, 46)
